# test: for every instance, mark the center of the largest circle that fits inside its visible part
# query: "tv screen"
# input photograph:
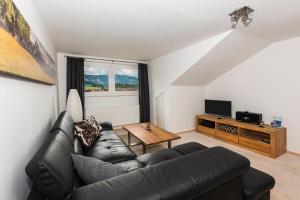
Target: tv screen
(217, 107)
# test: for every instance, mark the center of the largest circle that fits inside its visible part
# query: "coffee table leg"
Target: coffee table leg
(129, 142)
(144, 149)
(169, 144)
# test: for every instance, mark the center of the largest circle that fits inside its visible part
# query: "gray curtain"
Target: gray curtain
(144, 98)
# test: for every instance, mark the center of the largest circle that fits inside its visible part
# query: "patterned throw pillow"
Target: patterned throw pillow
(88, 131)
(91, 120)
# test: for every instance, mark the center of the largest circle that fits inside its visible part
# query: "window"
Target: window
(107, 78)
(126, 79)
(96, 79)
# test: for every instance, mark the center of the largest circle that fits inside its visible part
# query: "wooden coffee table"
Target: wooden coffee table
(149, 137)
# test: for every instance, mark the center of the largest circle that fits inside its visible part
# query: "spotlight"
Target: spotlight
(246, 20)
(234, 20)
(244, 14)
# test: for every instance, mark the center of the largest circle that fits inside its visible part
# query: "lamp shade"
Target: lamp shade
(74, 107)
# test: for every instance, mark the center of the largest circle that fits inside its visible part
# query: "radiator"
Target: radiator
(118, 115)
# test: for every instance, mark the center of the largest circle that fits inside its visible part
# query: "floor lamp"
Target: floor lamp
(74, 106)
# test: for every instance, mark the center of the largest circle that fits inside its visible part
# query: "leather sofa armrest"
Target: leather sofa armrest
(106, 126)
(185, 177)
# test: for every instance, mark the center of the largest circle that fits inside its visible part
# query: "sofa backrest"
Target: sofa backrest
(64, 123)
(51, 169)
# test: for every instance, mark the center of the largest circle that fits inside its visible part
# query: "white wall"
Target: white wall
(163, 71)
(185, 103)
(62, 81)
(27, 113)
(160, 109)
(267, 83)
(177, 108)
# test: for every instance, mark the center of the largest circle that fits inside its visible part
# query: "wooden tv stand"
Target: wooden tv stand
(265, 140)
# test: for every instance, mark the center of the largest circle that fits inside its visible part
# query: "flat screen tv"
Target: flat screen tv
(217, 107)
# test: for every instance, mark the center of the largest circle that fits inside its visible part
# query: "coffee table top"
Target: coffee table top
(148, 137)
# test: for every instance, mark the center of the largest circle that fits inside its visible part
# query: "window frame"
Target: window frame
(124, 66)
(112, 68)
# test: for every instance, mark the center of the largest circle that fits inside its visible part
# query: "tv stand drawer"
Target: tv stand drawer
(259, 146)
(203, 129)
(227, 136)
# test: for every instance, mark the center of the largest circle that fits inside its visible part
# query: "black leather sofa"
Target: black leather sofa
(188, 171)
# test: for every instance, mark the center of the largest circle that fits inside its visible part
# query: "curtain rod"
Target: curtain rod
(103, 59)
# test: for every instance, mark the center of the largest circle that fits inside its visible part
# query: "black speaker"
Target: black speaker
(248, 117)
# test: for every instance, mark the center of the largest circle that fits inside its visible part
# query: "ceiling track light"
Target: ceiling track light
(245, 14)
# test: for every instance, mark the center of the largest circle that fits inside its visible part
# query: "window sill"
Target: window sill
(109, 94)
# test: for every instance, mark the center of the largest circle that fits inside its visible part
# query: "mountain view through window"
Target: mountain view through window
(110, 78)
(126, 80)
(95, 79)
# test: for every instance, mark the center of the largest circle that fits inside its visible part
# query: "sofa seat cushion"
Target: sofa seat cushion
(108, 137)
(157, 157)
(110, 148)
(168, 154)
(130, 186)
(107, 132)
(130, 165)
(188, 148)
(257, 184)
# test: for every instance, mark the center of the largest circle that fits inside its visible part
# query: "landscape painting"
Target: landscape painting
(21, 53)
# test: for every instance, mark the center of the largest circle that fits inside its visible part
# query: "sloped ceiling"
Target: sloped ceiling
(145, 29)
(232, 50)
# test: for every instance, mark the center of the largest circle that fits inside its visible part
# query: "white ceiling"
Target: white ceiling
(144, 29)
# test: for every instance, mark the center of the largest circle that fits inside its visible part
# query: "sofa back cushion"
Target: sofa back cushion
(78, 146)
(92, 170)
(64, 123)
(51, 169)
